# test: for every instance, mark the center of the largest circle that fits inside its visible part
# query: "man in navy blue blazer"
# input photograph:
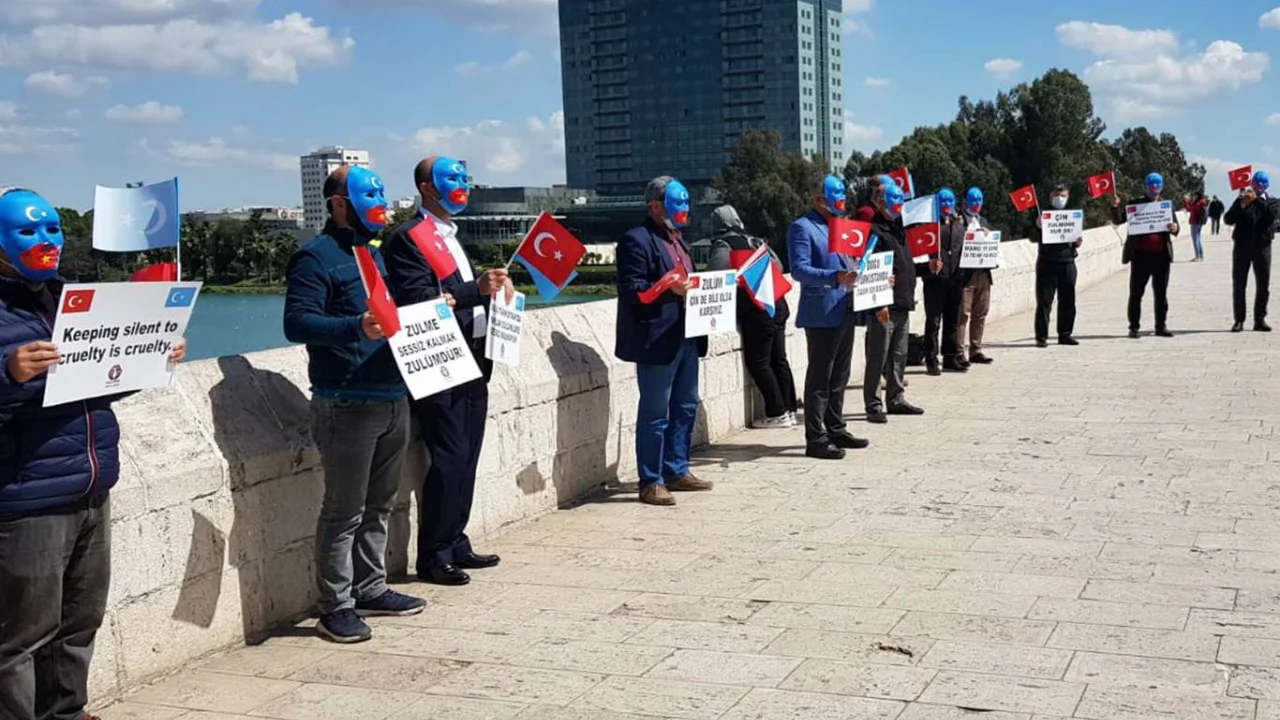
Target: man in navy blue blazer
(651, 335)
(826, 315)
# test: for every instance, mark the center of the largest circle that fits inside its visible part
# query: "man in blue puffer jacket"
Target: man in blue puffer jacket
(56, 466)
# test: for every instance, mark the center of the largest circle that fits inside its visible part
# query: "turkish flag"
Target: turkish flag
(157, 272)
(431, 244)
(77, 301)
(847, 237)
(923, 239)
(552, 250)
(1102, 184)
(1024, 199)
(673, 276)
(1241, 178)
(902, 176)
(380, 303)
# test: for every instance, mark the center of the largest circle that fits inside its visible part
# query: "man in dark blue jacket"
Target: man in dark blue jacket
(452, 422)
(359, 409)
(57, 465)
(651, 335)
(826, 315)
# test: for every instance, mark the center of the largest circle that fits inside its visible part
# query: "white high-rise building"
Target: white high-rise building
(315, 168)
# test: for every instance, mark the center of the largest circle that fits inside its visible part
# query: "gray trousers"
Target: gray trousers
(830, 359)
(362, 447)
(55, 571)
(886, 357)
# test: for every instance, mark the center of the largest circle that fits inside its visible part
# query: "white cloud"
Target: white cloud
(1116, 41)
(63, 84)
(861, 137)
(1003, 68)
(1145, 74)
(8, 111)
(17, 138)
(216, 151)
(1273, 119)
(853, 8)
(266, 51)
(148, 113)
(474, 69)
(496, 152)
(1270, 20)
(877, 82)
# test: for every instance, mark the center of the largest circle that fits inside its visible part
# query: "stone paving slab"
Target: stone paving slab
(1088, 532)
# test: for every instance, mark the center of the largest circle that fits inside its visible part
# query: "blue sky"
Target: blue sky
(227, 93)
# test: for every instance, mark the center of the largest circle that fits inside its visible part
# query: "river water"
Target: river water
(238, 324)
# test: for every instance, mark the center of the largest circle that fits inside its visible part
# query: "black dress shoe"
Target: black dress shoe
(846, 441)
(933, 368)
(1068, 340)
(1042, 343)
(444, 575)
(877, 417)
(1238, 327)
(1261, 326)
(954, 366)
(477, 562)
(824, 451)
(1133, 334)
(981, 359)
(905, 408)
(1163, 332)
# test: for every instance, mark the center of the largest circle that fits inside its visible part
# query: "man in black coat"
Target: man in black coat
(887, 328)
(452, 422)
(1055, 275)
(1216, 209)
(1253, 220)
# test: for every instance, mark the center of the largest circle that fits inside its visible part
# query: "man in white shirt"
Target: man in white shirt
(425, 261)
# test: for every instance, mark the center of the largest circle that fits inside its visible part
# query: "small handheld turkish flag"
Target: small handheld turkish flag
(1025, 198)
(922, 240)
(552, 249)
(673, 276)
(1241, 178)
(430, 241)
(902, 176)
(847, 237)
(381, 305)
(1102, 184)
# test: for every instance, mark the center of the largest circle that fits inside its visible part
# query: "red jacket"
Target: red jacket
(1197, 211)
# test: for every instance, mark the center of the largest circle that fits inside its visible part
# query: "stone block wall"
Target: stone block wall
(215, 512)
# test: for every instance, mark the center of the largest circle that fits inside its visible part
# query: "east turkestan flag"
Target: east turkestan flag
(136, 219)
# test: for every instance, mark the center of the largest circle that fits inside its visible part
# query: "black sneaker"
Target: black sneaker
(905, 408)
(877, 417)
(343, 626)
(824, 451)
(390, 604)
(1068, 340)
(951, 365)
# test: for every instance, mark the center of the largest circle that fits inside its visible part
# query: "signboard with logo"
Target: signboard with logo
(710, 305)
(506, 321)
(1061, 226)
(1149, 218)
(875, 287)
(116, 338)
(981, 250)
(430, 350)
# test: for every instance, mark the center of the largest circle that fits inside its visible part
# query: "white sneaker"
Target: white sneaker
(792, 421)
(772, 423)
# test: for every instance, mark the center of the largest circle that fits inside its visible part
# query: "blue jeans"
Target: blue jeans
(1195, 238)
(664, 422)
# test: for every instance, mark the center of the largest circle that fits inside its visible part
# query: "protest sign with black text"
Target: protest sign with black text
(981, 250)
(1149, 218)
(1061, 226)
(710, 304)
(430, 350)
(875, 283)
(506, 320)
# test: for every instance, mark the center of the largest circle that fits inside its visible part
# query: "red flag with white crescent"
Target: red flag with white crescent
(1024, 198)
(380, 303)
(1241, 178)
(1102, 184)
(923, 239)
(847, 237)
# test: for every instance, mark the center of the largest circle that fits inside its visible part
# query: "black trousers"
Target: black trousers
(830, 362)
(1055, 278)
(942, 299)
(452, 425)
(1153, 268)
(55, 571)
(1217, 224)
(1242, 259)
(764, 350)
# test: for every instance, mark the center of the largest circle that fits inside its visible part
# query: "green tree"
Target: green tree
(768, 187)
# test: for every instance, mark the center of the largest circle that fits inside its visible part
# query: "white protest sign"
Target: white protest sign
(710, 305)
(1061, 226)
(116, 338)
(430, 351)
(506, 320)
(875, 287)
(1148, 218)
(981, 250)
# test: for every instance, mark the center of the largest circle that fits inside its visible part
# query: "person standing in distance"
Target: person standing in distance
(1056, 274)
(1216, 209)
(1253, 220)
(1150, 259)
(452, 423)
(976, 301)
(651, 335)
(826, 315)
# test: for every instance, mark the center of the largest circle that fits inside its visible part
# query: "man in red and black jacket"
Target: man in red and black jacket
(1150, 259)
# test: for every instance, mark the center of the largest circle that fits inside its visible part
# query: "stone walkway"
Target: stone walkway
(1087, 532)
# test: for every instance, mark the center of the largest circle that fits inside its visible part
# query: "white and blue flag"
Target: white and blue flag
(136, 219)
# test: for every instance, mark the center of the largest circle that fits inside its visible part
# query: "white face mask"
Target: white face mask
(1059, 201)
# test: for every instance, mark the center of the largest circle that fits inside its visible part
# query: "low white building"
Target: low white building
(315, 167)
